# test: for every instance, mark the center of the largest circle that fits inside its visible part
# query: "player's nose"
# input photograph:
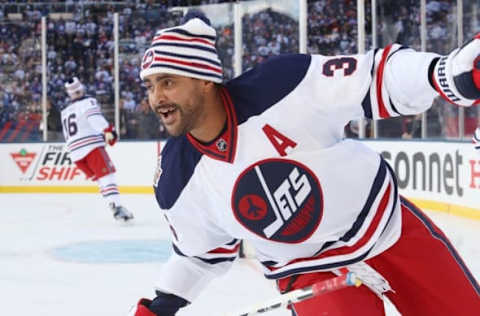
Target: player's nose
(157, 97)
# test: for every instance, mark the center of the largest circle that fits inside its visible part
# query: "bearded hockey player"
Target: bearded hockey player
(263, 158)
(86, 133)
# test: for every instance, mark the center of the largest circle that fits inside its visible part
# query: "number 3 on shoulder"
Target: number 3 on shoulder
(347, 64)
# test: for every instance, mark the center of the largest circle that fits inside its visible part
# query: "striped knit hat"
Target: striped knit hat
(187, 50)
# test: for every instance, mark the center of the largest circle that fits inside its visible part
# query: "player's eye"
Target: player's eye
(168, 82)
(147, 86)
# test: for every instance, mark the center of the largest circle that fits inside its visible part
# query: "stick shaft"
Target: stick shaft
(319, 288)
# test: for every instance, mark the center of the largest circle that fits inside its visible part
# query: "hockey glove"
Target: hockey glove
(110, 135)
(476, 139)
(163, 305)
(457, 76)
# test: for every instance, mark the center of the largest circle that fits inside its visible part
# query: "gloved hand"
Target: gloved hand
(141, 308)
(457, 76)
(476, 139)
(163, 305)
(110, 135)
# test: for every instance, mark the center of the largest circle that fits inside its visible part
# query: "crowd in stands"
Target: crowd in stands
(80, 43)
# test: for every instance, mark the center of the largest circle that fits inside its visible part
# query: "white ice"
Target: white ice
(34, 281)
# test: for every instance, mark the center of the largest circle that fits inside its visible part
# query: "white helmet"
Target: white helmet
(75, 88)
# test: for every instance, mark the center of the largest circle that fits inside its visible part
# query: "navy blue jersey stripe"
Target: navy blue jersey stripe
(82, 138)
(109, 194)
(95, 114)
(186, 69)
(376, 187)
(183, 32)
(374, 191)
(209, 261)
(216, 260)
(394, 108)
(258, 89)
(210, 50)
(179, 159)
(322, 267)
(87, 144)
(367, 102)
(183, 56)
(233, 242)
(419, 214)
(178, 251)
(395, 193)
(367, 106)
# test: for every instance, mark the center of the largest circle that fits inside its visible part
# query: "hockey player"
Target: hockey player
(86, 131)
(263, 158)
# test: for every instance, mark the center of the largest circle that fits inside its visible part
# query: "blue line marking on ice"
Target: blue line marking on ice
(114, 251)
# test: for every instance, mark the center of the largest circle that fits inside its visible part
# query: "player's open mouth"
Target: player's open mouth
(167, 113)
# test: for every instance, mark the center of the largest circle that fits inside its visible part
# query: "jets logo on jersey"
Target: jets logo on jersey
(278, 199)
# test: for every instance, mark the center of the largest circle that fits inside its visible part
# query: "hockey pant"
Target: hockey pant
(96, 164)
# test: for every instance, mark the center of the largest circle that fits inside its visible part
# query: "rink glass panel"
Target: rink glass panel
(269, 27)
(399, 22)
(442, 39)
(20, 78)
(137, 28)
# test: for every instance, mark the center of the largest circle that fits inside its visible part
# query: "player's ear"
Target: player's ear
(208, 86)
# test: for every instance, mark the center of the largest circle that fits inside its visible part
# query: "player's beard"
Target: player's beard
(185, 121)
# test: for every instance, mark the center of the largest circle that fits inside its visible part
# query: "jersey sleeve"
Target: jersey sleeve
(94, 116)
(382, 83)
(186, 276)
(201, 248)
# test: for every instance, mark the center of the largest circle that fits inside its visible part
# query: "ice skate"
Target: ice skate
(121, 214)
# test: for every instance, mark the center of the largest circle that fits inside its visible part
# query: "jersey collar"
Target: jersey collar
(223, 147)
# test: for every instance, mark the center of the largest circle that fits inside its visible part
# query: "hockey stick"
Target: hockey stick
(316, 289)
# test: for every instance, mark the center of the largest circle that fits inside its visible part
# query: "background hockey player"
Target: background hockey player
(263, 158)
(86, 133)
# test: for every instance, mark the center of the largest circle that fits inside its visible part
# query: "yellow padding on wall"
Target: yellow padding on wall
(458, 210)
(73, 189)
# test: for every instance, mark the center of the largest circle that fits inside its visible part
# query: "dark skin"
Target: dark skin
(186, 105)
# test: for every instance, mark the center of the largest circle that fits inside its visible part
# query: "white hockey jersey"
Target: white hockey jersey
(83, 124)
(282, 176)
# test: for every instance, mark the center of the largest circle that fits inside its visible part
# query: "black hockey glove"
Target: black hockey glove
(163, 305)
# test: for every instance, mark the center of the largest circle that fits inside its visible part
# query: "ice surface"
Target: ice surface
(63, 254)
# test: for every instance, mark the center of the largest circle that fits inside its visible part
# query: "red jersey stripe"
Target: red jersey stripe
(176, 38)
(381, 106)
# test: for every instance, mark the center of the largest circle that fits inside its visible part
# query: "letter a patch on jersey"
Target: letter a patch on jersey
(278, 140)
